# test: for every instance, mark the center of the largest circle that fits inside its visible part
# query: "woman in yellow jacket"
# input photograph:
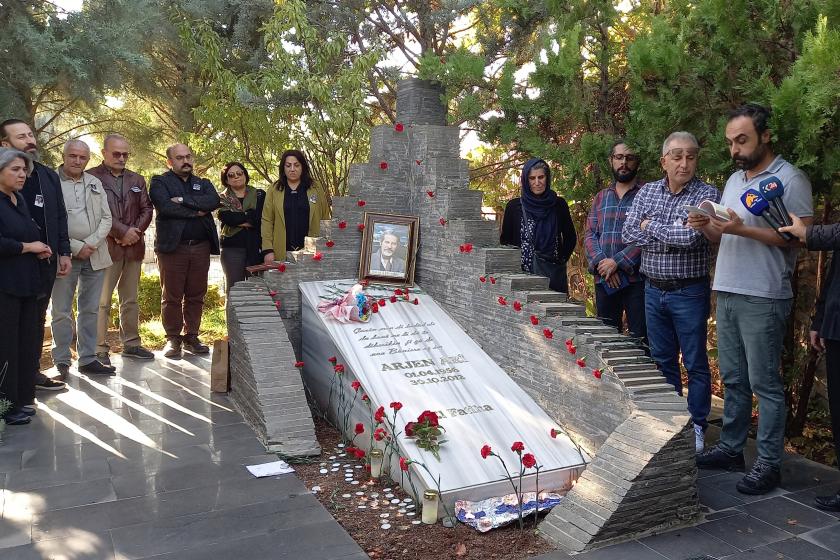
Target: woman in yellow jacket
(294, 208)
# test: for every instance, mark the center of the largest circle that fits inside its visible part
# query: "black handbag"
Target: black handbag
(553, 270)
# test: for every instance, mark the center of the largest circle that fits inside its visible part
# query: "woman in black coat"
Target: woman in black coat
(240, 214)
(825, 327)
(20, 283)
(540, 223)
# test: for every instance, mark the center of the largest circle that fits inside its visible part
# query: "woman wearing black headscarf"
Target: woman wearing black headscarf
(540, 223)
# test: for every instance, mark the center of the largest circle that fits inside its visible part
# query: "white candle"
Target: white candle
(375, 463)
(430, 507)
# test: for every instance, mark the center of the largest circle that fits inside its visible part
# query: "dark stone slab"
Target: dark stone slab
(743, 531)
(827, 537)
(683, 544)
(789, 515)
(803, 550)
(623, 551)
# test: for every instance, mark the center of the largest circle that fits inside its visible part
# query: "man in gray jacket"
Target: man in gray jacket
(88, 224)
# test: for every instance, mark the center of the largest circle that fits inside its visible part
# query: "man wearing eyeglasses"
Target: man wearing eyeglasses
(131, 212)
(619, 288)
(676, 260)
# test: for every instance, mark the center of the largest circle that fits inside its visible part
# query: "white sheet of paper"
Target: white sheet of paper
(270, 469)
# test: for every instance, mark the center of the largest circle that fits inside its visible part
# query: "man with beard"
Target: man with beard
(42, 192)
(185, 237)
(754, 299)
(619, 288)
(384, 260)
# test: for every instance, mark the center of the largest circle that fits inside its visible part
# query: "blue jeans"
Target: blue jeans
(677, 322)
(750, 333)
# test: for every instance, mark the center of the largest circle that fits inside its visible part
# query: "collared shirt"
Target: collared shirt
(770, 267)
(670, 249)
(602, 239)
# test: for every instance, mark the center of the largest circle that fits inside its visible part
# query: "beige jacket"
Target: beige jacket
(88, 216)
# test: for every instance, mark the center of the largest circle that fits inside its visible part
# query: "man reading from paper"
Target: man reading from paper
(384, 262)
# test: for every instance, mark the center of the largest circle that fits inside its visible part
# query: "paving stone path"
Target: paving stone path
(150, 464)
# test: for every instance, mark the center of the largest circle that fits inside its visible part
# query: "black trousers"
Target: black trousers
(631, 300)
(48, 279)
(17, 349)
(832, 369)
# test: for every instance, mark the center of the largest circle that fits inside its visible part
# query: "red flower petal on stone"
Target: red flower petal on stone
(597, 373)
(383, 165)
(361, 203)
(399, 127)
(375, 308)
(492, 280)
(298, 364)
(281, 267)
(317, 256)
(548, 333)
(430, 193)
(277, 304)
(482, 279)
(272, 293)
(393, 299)
(569, 342)
(416, 301)
(554, 433)
(502, 301)
(360, 227)
(535, 320)
(342, 225)
(418, 161)
(333, 360)
(518, 447)
(330, 243)
(442, 221)
(468, 247)
(529, 461)
(359, 453)
(517, 306)
(486, 451)
(581, 362)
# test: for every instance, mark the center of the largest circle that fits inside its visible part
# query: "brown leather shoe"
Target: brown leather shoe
(172, 348)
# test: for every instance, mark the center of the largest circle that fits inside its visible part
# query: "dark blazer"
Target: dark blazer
(566, 235)
(199, 196)
(19, 273)
(45, 181)
(253, 239)
(827, 317)
(130, 208)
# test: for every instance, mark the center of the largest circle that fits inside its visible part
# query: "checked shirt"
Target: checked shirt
(602, 239)
(670, 249)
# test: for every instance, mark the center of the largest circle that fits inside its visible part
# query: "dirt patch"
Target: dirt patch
(402, 539)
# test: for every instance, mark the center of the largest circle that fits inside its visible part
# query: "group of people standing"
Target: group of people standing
(651, 258)
(74, 235)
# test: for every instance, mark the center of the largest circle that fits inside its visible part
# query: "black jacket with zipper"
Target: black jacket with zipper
(827, 318)
(171, 217)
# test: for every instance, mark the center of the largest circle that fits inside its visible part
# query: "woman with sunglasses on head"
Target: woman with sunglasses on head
(294, 208)
(240, 214)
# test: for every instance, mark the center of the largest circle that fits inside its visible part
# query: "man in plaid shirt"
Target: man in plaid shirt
(618, 285)
(676, 261)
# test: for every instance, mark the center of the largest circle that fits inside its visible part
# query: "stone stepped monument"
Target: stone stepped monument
(642, 477)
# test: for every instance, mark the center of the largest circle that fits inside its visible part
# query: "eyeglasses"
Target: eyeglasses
(629, 158)
(121, 155)
(235, 174)
(678, 153)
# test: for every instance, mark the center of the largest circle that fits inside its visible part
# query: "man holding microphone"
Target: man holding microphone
(754, 299)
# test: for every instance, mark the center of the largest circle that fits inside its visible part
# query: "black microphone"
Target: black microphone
(758, 206)
(772, 190)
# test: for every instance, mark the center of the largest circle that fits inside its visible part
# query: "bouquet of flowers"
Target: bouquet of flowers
(354, 305)
(426, 432)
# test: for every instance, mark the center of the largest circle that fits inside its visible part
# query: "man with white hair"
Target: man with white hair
(88, 224)
(676, 261)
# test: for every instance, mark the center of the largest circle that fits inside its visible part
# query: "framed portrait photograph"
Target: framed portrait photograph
(389, 248)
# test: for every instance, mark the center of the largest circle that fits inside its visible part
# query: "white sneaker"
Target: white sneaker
(699, 438)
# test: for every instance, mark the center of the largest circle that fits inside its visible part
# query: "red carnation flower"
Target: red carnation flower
(272, 293)
(416, 301)
(365, 283)
(359, 453)
(418, 161)
(339, 368)
(379, 415)
(375, 308)
(383, 165)
(442, 221)
(393, 299)
(431, 194)
(548, 333)
(409, 429)
(381, 303)
(572, 349)
(398, 292)
(430, 417)
(333, 360)
(298, 364)
(517, 306)
(356, 385)
(360, 428)
(277, 304)
(317, 256)
(492, 280)
(482, 279)
(281, 267)
(330, 243)
(569, 342)
(518, 447)
(361, 203)
(502, 301)
(379, 434)
(342, 224)
(399, 127)
(535, 320)
(581, 362)
(486, 451)
(529, 461)
(554, 433)
(466, 248)
(360, 227)
(396, 405)
(365, 398)
(404, 464)
(597, 373)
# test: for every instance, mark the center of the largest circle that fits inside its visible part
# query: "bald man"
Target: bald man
(185, 237)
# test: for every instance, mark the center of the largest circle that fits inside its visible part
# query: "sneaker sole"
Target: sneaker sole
(135, 357)
(751, 492)
(44, 388)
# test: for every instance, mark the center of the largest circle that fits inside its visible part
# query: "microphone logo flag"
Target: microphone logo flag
(770, 185)
(753, 201)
